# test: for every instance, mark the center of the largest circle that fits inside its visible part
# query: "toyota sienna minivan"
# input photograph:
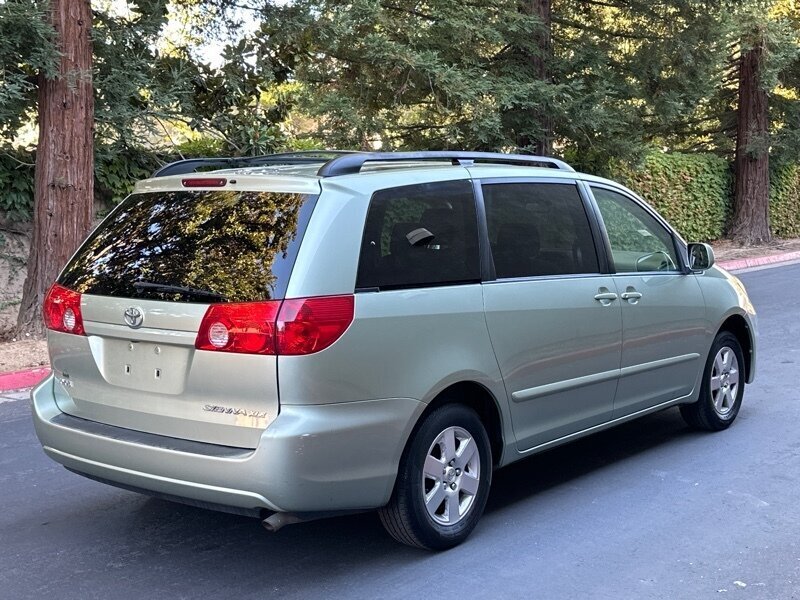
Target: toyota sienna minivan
(302, 335)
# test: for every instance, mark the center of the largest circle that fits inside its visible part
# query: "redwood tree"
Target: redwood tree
(532, 126)
(64, 179)
(751, 199)
(540, 61)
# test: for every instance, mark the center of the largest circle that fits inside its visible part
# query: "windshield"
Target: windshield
(193, 246)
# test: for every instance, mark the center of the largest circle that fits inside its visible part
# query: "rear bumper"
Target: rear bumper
(311, 458)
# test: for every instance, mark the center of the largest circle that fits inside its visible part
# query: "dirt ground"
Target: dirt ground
(727, 250)
(24, 354)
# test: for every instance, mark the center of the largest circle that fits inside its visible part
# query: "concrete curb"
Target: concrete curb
(19, 380)
(758, 261)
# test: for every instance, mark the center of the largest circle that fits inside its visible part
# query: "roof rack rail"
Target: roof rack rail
(351, 163)
(190, 165)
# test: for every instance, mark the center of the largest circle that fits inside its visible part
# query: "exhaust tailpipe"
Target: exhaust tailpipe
(278, 520)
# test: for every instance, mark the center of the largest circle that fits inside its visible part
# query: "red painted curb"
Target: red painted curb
(18, 380)
(759, 261)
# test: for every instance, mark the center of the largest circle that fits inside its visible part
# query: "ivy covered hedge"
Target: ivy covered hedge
(692, 191)
(116, 170)
(115, 173)
(784, 201)
(16, 185)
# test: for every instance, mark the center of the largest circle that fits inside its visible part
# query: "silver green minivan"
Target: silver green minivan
(301, 335)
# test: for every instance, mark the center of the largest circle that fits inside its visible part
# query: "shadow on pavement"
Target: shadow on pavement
(525, 479)
(100, 541)
(539, 473)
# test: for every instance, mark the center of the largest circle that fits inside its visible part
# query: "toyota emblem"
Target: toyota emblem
(134, 317)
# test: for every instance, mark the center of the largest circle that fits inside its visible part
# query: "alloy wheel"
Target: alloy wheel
(725, 377)
(451, 476)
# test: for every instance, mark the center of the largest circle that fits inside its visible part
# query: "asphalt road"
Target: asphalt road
(648, 510)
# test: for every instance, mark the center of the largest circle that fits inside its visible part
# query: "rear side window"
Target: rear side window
(538, 229)
(193, 246)
(420, 235)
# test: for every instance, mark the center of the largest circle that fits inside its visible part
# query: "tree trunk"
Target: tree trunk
(538, 64)
(64, 178)
(751, 198)
(543, 145)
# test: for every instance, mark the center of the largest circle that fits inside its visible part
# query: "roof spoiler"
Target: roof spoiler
(192, 165)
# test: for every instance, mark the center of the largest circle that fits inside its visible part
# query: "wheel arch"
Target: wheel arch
(479, 398)
(739, 327)
(483, 402)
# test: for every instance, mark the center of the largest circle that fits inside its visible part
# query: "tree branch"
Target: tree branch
(169, 137)
(602, 32)
(19, 162)
(410, 11)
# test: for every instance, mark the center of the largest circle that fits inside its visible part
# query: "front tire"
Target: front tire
(723, 386)
(443, 481)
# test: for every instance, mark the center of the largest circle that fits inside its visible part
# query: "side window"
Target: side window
(638, 241)
(538, 229)
(420, 235)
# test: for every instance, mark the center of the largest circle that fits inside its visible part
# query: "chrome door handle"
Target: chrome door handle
(632, 297)
(605, 298)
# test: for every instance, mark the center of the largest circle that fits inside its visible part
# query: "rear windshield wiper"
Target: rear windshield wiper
(179, 289)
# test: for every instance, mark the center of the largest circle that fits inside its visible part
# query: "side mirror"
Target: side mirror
(701, 257)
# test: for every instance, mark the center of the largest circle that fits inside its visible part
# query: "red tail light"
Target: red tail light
(246, 327)
(291, 327)
(308, 325)
(62, 310)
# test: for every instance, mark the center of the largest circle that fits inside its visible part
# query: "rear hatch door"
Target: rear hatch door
(146, 277)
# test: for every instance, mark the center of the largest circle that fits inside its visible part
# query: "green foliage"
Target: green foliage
(142, 85)
(236, 103)
(413, 76)
(26, 49)
(16, 184)
(117, 169)
(619, 79)
(647, 67)
(201, 147)
(692, 191)
(301, 144)
(784, 200)
(125, 78)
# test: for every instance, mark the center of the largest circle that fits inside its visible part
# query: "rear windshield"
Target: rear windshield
(193, 246)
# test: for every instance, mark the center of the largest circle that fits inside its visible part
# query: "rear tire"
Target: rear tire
(443, 481)
(722, 389)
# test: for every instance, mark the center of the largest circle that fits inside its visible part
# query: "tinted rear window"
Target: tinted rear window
(538, 229)
(237, 246)
(420, 235)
